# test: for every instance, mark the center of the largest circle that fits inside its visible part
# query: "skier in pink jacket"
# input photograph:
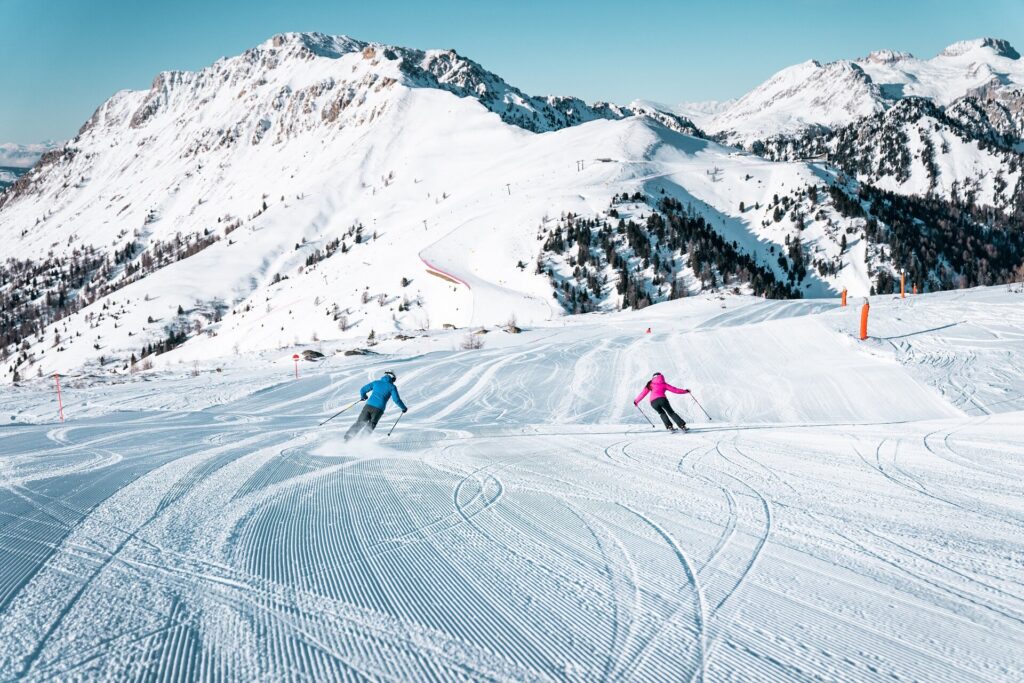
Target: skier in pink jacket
(657, 388)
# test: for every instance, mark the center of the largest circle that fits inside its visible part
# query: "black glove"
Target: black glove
(405, 410)
(362, 398)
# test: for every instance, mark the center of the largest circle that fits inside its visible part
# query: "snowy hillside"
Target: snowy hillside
(915, 149)
(797, 98)
(323, 189)
(319, 188)
(852, 511)
(951, 126)
(699, 112)
(932, 148)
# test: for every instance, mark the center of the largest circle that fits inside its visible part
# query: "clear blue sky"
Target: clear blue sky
(60, 59)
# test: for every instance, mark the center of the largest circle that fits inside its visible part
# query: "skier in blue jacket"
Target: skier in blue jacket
(379, 392)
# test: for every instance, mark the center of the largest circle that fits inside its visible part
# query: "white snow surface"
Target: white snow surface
(853, 512)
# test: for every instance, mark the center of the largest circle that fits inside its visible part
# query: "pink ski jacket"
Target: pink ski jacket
(657, 388)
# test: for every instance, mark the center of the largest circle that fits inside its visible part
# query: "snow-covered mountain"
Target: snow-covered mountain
(807, 95)
(994, 115)
(835, 508)
(318, 187)
(699, 113)
(324, 188)
(702, 112)
(16, 159)
(826, 95)
(915, 148)
(950, 127)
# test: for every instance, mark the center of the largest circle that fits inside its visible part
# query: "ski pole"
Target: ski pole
(645, 415)
(701, 407)
(394, 425)
(340, 412)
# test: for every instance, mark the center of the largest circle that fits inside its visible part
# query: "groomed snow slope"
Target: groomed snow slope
(839, 520)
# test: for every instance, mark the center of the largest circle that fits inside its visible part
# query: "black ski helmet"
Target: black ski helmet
(391, 375)
(657, 374)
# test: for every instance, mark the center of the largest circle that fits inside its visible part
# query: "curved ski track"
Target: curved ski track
(520, 525)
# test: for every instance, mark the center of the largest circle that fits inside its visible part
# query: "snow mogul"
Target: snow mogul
(657, 387)
(376, 394)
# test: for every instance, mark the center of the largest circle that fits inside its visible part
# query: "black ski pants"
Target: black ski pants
(367, 420)
(664, 410)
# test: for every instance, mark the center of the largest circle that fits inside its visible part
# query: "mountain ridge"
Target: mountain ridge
(824, 95)
(313, 186)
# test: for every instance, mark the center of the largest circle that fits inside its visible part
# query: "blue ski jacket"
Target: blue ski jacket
(379, 393)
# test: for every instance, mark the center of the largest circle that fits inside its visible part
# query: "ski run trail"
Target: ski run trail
(854, 511)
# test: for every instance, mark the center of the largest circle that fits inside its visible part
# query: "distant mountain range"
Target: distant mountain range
(13, 155)
(835, 94)
(321, 187)
(16, 159)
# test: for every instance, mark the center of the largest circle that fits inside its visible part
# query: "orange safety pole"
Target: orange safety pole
(844, 297)
(903, 286)
(60, 402)
(295, 357)
(915, 288)
(864, 320)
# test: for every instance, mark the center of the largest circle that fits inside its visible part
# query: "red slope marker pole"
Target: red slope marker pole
(60, 401)
(295, 357)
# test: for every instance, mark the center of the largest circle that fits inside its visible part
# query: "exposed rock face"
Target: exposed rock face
(999, 46)
(887, 56)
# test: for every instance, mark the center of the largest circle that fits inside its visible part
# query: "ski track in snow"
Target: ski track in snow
(521, 524)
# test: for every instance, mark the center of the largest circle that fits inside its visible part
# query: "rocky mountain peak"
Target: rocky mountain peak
(1000, 47)
(887, 56)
